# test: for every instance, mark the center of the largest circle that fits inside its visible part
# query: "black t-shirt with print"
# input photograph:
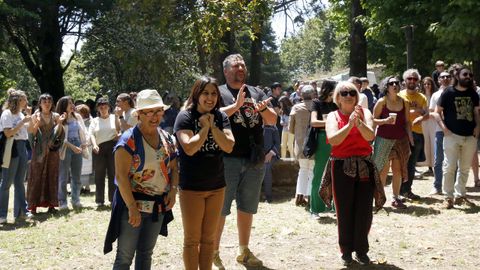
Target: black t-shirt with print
(204, 170)
(458, 110)
(322, 107)
(238, 123)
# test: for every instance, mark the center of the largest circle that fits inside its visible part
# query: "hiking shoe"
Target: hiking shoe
(63, 207)
(448, 203)
(217, 262)
(362, 259)
(397, 203)
(248, 259)
(347, 259)
(463, 200)
(410, 195)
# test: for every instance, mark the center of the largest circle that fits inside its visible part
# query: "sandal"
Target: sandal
(477, 183)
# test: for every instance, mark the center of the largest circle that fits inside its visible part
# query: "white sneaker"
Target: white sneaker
(3, 220)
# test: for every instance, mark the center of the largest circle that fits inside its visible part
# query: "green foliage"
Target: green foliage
(78, 85)
(312, 49)
(128, 54)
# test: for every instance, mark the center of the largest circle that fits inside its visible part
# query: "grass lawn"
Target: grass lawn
(424, 236)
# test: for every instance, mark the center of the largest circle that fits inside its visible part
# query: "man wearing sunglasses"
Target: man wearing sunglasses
(418, 113)
(444, 80)
(458, 106)
(439, 68)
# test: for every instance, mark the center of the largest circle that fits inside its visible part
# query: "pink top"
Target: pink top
(354, 144)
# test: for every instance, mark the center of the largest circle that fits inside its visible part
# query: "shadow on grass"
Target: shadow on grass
(356, 265)
(413, 210)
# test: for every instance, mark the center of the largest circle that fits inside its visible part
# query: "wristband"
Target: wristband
(264, 109)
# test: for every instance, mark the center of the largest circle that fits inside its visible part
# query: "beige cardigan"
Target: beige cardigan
(84, 138)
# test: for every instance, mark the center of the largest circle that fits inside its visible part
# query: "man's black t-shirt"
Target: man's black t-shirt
(204, 170)
(239, 124)
(458, 109)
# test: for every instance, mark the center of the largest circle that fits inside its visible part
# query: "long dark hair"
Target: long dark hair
(45, 96)
(197, 89)
(327, 87)
(456, 78)
(285, 104)
(62, 105)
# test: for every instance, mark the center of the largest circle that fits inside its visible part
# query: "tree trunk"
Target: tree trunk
(358, 42)
(256, 59)
(217, 58)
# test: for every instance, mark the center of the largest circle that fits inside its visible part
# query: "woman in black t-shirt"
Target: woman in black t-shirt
(203, 133)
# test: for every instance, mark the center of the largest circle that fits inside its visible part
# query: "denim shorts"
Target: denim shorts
(244, 184)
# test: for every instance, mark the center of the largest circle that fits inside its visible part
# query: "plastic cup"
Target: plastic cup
(394, 115)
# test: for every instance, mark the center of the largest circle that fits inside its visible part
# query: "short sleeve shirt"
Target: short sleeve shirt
(238, 122)
(322, 108)
(458, 110)
(203, 171)
(9, 120)
(149, 172)
(416, 101)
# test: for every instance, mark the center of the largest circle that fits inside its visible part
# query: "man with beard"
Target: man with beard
(418, 113)
(246, 107)
(458, 106)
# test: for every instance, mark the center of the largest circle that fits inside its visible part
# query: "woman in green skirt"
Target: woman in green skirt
(321, 107)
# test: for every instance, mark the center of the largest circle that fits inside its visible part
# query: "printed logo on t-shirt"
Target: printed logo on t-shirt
(209, 145)
(250, 113)
(464, 108)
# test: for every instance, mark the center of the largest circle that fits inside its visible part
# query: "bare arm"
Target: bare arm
(232, 108)
(123, 161)
(171, 196)
(314, 122)
(365, 126)
(224, 139)
(190, 142)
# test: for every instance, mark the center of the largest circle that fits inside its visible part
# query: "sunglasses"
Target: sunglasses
(352, 93)
(412, 79)
(151, 113)
(445, 77)
(393, 83)
(467, 74)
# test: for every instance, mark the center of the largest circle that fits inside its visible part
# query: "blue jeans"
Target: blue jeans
(412, 160)
(70, 166)
(15, 174)
(244, 184)
(140, 240)
(437, 167)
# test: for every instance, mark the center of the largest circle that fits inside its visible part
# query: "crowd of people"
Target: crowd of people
(222, 145)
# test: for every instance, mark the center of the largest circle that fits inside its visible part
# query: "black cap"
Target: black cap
(276, 84)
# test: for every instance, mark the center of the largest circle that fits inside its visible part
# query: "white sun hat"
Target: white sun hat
(149, 99)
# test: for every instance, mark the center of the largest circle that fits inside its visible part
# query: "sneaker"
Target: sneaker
(63, 207)
(217, 262)
(77, 205)
(3, 220)
(448, 203)
(347, 259)
(248, 259)
(435, 191)
(100, 204)
(463, 200)
(52, 210)
(410, 195)
(363, 259)
(397, 203)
